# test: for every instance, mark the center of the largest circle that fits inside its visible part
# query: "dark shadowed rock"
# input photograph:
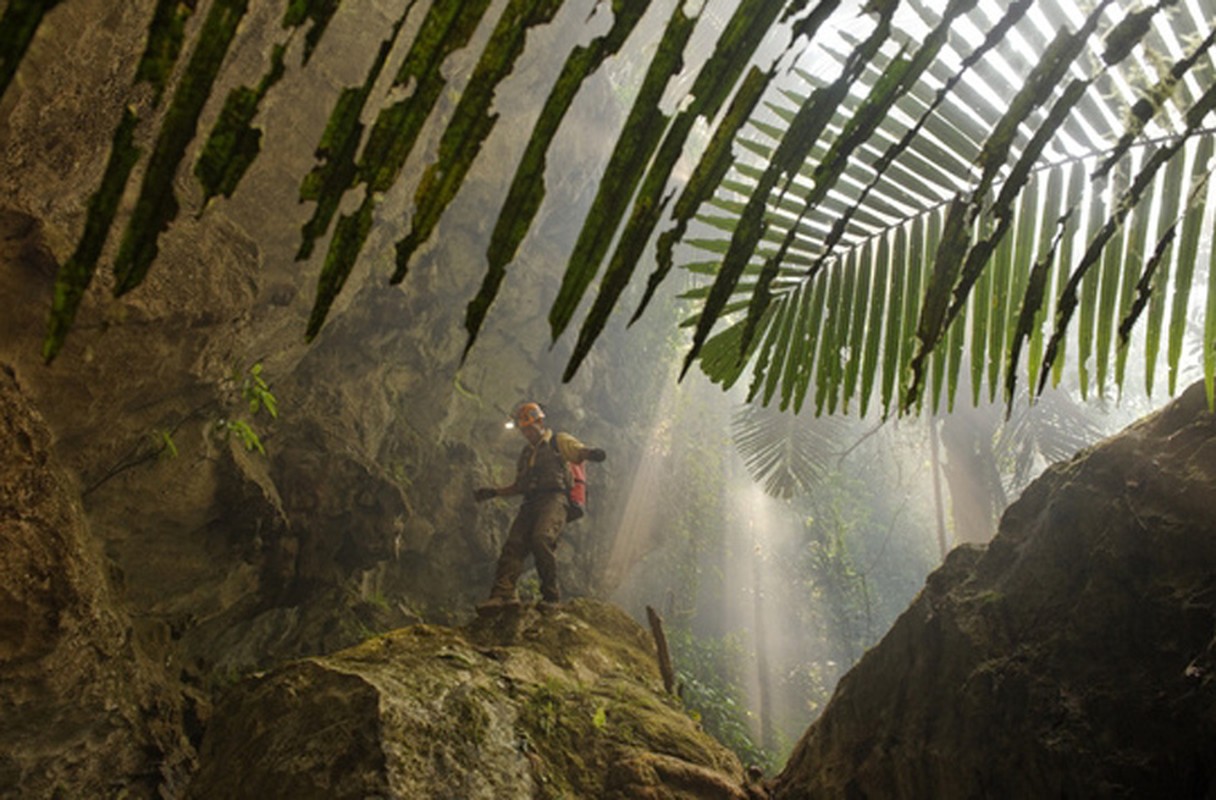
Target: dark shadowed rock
(1073, 657)
(84, 711)
(564, 703)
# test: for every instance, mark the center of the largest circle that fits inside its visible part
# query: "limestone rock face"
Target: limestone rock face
(177, 559)
(85, 711)
(1073, 657)
(364, 492)
(563, 703)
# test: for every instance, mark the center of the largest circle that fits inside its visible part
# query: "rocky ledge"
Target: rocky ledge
(557, 703)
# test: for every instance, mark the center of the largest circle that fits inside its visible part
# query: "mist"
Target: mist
(777, 548)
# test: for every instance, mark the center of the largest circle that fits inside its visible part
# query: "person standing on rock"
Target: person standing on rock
(543, 477)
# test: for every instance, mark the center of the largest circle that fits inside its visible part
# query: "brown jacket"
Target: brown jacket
(542, 469)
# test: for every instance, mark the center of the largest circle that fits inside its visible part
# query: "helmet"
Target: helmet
(527, 414)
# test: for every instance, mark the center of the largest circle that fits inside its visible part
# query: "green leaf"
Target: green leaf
(643, 128)
(470, 124)
(1133, 293)
(1153, 101)
(446, 28)
(916, 265)
(860, 315)
(1029, 320)
(157, 206)
(782, 332)
(166, 34)
(748, 25)
(802, 348)
(336, 170)
(894, 80)
(722, 360)
(947, 266)
(784, 454)
(1108, 294)
(1025, 250)
(349, 236)
(1070, 226)
(873, 342)
(1039, 86)
(813, 332)
(234, 143)
(1089, 299)
(320, 12)
(77, 272)
(1144, 179)
(828, 359)
(981, 312)
(527, 189)
(893, 341)
(956, 346)
(804, 130)
(1188, 254)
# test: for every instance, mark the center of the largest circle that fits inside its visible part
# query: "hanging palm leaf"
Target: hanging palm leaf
(879, 220)
(1005, 248)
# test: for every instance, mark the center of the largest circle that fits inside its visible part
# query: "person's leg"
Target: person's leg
(547, 529)
(511, 560)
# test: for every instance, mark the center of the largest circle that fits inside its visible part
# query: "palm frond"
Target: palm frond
(891, 202)
(1051, 206)
(786, 454)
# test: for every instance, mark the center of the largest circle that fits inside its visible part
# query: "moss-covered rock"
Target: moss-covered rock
(561, 703)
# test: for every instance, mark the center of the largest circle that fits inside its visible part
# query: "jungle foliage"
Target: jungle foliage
(935, 188)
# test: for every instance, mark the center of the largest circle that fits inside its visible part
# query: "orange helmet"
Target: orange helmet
(527, 414)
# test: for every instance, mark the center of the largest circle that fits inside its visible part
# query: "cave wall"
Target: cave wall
(87, 707)
(217, 560)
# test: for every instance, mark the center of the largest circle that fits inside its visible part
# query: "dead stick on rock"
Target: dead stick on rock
(660, 640)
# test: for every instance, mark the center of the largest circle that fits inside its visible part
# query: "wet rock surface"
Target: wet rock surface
(1073, 657)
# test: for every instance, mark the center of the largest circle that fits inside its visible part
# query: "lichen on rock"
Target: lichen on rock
(558, 703)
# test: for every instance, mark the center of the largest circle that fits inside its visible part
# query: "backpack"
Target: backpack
(576, 492)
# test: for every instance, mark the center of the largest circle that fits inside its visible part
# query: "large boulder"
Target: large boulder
(564, 703)
(1072, 657)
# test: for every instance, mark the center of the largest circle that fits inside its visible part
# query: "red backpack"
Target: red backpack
(576, 493)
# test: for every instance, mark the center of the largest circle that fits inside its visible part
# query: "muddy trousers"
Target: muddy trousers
(535, 532)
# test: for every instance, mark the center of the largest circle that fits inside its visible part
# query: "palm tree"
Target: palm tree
(910, 186)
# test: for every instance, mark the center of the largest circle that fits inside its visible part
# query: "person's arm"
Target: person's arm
(489, 492)
(576, 452)
(507, 491)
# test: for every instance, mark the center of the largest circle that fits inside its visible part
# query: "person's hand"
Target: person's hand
(484, 493)
(596, 454)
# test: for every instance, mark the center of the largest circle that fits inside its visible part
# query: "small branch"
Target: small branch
(141, 453)
(660, 640)
(840, 457)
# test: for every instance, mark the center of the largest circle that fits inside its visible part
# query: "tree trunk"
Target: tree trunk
(976, 495)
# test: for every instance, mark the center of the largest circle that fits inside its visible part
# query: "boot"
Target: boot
(497, 603)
